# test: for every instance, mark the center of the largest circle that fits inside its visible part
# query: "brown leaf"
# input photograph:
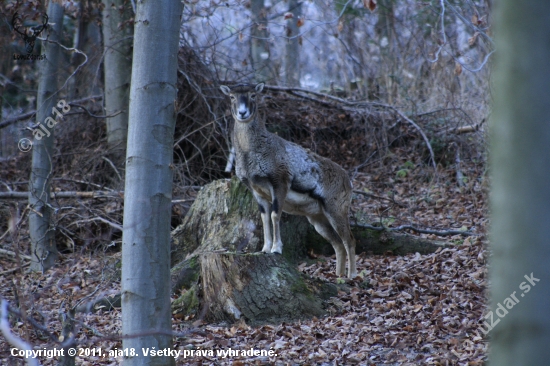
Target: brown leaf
(300, 22)
(370, 4)
(458, 69)
(340, 26)
(289, 15)
(472, 40)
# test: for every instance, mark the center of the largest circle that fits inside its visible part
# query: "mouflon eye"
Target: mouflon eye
(253, 96)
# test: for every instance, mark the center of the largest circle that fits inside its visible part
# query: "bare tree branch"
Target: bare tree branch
(12, 339)
(9, 121)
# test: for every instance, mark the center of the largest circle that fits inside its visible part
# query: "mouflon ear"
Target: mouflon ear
(260, 87)
(225, 89)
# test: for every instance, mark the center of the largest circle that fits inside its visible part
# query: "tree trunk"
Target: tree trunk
(43, 249)
(259, 45)
(292, 49)
(520, 197)
(223, 276)
(146, 314)
(88, 40)
(117, 39)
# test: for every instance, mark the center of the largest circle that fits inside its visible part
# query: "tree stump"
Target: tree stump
(221, 272)
(222, 275)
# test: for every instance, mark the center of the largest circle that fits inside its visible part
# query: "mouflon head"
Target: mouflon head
(243, 100)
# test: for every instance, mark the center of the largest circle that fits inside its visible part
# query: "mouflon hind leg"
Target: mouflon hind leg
(323, 227)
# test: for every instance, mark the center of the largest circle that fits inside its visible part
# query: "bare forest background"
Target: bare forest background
(424, 59)
(398, 92)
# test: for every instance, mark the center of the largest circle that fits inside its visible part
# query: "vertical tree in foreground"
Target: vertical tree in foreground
(146, 315)
(520, 196)
(44, 251)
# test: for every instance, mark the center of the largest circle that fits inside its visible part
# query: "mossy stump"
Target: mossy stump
(256, 287)
(221, 275)
(220, 272)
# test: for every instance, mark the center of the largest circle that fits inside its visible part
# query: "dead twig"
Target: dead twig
(392, 200)
(111, 224)
(112, 165)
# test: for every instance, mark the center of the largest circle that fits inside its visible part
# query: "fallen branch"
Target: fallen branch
(20, 117)
(9, 253)
(418, 230)
(464, 129)
(67, 194)
(8, 271)
(77, 194)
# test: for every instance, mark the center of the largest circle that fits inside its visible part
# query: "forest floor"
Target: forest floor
(417, 309)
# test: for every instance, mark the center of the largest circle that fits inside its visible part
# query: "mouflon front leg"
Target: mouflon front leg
(265, 209)
(278, 192)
